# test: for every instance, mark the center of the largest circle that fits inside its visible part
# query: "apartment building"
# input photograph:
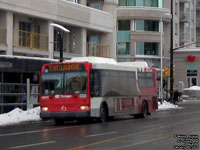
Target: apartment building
(26, 31)
(139, 31)
(25, 27)
(198, 23)
(186, 30)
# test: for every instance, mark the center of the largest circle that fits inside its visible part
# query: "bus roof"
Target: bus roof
(138, 64)
(94, 60)
(109, 63)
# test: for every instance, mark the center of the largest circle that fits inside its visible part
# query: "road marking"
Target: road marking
(35, 131)
(101, 134)
(30, 145)
(143, 142)
(129, 135)
(152, 140)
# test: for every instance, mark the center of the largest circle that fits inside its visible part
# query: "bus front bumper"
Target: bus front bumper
(64, 115)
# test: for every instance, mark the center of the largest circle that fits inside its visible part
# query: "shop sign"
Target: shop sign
(191, 58)
(6, 64)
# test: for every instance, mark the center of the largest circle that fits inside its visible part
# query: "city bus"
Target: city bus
(92, 87)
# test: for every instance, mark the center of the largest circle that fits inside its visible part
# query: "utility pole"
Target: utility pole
(171, 59)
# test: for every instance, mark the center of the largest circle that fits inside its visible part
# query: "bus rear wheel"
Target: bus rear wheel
(103, 114)
(144, 110)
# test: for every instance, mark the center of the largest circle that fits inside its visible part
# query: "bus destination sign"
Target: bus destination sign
(64, 67)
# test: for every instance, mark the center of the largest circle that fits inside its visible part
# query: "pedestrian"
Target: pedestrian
(176, 96)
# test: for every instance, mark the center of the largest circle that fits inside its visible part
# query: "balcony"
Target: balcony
(94, 49)
(30, 40)
(2, 36)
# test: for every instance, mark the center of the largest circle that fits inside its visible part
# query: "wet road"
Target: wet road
(166, 130)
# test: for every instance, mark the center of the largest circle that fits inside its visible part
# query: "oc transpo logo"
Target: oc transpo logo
(63, 108)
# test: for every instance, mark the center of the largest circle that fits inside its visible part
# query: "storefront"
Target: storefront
(14, 72)
(187, 66)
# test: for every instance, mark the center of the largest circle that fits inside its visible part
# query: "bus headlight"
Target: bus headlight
(84, 107)
(45, 109)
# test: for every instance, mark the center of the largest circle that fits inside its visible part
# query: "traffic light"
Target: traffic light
(173, 72)
(166, 72)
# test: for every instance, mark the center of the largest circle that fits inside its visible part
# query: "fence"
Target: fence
(30, 40)
(23, 95)
(94, 49)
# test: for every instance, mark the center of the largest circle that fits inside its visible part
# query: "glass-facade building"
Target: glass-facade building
(139, 30)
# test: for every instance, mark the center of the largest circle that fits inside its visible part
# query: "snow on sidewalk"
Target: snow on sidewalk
(17, 116)
(167, 105)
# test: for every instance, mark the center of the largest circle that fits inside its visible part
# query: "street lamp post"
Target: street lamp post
(61, 28)
(166, 16)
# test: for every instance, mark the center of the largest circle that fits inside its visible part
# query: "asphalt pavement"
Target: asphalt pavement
(163, 130)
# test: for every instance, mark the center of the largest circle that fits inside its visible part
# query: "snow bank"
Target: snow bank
(19, 116)
(166, 106)
(193, 88)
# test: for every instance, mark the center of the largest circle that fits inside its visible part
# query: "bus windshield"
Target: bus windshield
(64, 83)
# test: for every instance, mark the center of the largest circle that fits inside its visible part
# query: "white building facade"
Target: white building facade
(25, 28)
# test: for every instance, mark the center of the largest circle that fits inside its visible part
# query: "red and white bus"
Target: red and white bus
(97, 88)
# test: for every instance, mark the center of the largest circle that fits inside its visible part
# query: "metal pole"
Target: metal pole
(61, 46)
(171, 58)
(27, 93)
(161, 59)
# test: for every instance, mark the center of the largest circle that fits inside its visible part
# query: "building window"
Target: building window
(192, 73)
(95, 4)
(148, 3)
(147, 25)
(146, 48)
(77, 1)
(126, 3)
(124, 25)
(151, 3)
(24, 34)
(123, 48)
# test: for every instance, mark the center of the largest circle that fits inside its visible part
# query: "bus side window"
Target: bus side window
(94, 82)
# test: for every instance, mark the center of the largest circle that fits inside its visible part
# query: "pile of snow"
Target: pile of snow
(197, 88)
(166, 105)
(17, 116)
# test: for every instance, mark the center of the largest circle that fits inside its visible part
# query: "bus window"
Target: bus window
(52, 83)
(75, 82)
(95, 84)
(145, 80)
